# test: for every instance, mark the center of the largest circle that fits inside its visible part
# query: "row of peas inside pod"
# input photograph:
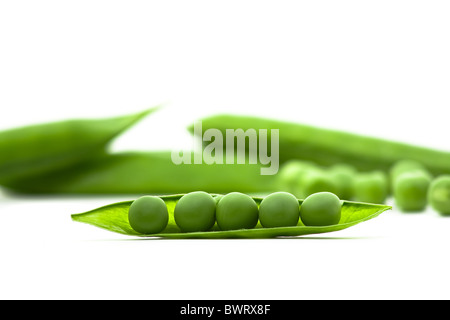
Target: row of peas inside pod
(200, 211)
(303, 178)
(410, 184)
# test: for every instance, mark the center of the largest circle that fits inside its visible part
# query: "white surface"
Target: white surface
(47, 256)
(379, 68)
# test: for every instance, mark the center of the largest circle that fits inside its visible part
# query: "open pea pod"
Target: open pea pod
(114, 217)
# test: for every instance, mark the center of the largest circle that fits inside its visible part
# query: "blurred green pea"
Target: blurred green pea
(371, 187)
(403, 166)
(343, 176)
(290, 175)
(315, 181)
(410, 190)
(439, 194)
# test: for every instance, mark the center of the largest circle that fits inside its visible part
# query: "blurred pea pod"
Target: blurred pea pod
(144, 173)
(327, 147)
(39, 149)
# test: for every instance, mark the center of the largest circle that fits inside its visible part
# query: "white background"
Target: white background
(379, 68)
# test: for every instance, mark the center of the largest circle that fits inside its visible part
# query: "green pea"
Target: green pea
(410, 190)
(291, 173)
(288, 174)
(439, 194)
(372, 187)
(321, 209)
(315, 181)
(279, 209)
(343, 176)
(236, 211)
(403, 166)
(148, 215)
(195, 211)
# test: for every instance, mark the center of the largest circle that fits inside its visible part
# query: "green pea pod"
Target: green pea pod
(114, 217)
(327, 147)
(43, 148)
(147, 172)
